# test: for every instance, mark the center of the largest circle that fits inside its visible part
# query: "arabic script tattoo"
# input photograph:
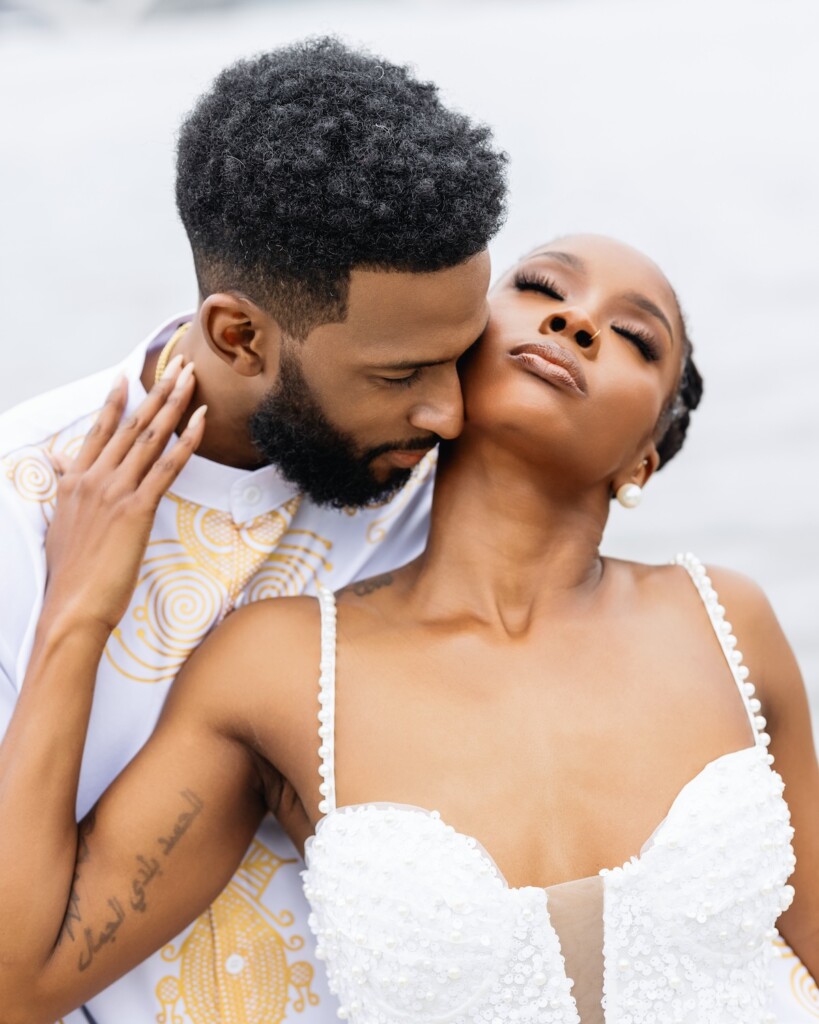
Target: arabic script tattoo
(148, 868)
(73, 913)
(183, 822)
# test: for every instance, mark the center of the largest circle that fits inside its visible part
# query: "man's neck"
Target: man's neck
(226, 439)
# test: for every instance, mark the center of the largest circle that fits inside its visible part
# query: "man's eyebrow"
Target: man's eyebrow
(636, 299)
(569, 258)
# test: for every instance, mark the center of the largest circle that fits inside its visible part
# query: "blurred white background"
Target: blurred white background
(687, 127)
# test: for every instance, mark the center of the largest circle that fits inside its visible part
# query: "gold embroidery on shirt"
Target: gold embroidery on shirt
(233, 965)
(33, 477)
(291, 568)
(189, 583)
(379, 528)
(31, 472)
(803, 987)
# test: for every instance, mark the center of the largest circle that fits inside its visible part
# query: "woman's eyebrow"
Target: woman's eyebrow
(569, 258)
(636, 299)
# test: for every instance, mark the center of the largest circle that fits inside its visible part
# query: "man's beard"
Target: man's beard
(290, 430)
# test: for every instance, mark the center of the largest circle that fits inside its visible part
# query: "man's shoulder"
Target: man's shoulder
(55, 422)
(53, 415)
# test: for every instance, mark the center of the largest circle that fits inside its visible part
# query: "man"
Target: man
(338, 216)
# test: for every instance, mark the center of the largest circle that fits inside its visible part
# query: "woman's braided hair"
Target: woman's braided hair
(673, 423)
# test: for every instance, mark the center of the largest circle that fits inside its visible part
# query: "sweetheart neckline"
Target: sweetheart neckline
(490, 860)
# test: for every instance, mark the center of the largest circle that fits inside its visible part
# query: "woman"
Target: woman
(502, 723)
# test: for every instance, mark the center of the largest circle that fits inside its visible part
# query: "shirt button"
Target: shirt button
(252, 495)
(235, 963)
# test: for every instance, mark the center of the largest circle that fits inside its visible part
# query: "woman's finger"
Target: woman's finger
(122, 440)
(167, 467)
(104, 426)
(149, 444)
(60, 462)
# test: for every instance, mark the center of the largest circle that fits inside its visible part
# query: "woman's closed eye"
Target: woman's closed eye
(643, 341)
(527, 281)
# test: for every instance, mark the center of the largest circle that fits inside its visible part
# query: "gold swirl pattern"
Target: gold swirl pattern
(33, 476)
(30, 469)
(191, 581)
(241, 938)
(377, 530)
(290, 569)
(803, 986)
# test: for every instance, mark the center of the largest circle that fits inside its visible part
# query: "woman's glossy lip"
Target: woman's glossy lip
(552, 363)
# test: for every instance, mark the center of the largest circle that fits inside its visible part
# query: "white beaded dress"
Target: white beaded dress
(416, 923)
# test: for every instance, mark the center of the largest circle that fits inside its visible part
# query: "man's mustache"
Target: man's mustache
(416, 444)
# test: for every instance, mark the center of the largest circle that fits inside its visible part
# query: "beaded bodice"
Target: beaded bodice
(416, 923)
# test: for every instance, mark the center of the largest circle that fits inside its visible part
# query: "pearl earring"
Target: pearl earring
(629, 495)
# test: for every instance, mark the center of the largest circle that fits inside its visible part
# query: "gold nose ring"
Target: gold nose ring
(596, 333)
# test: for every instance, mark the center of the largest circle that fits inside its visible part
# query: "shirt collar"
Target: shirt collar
(244, 493)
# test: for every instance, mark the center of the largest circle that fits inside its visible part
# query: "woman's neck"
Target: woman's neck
(505, 545)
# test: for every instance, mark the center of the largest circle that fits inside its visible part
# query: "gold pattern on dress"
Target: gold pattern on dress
(234, 967)
(191, 581)
(803, 986)
(378, 528)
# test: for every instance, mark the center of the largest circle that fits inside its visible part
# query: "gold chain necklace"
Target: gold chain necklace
(165, 354)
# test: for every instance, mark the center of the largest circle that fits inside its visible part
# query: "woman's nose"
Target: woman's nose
(573, 322)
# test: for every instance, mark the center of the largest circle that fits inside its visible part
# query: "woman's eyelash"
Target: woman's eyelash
(641, 339)
(528, 282)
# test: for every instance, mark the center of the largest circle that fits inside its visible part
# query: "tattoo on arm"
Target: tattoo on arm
(365, 587)
(148, 868)
(73, 915)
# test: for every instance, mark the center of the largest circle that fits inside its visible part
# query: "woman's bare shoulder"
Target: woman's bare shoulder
(746, 598)
(764, 646)
(265, 654)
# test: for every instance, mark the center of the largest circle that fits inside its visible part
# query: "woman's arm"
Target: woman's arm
(80, 905)
(785, 705)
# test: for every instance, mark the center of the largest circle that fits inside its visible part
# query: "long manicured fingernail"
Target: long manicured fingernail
(197, 417)
(118, 382)
(172, 367)
(184, 376)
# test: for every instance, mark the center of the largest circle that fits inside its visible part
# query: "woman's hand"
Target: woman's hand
(108, 496)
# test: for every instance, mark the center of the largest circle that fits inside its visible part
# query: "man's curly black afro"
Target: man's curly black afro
(308, 161)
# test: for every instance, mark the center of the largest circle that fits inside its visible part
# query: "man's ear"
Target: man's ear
(239, 333)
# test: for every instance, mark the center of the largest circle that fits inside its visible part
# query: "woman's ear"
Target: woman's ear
(628, 489)
(647, 467)
(239, 333)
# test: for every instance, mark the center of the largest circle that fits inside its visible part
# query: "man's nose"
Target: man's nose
(441, 411)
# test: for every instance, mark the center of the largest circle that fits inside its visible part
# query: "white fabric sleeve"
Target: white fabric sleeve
(22, 578)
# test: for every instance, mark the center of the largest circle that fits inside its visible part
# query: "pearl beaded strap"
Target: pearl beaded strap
(327, 700)
(728, 643)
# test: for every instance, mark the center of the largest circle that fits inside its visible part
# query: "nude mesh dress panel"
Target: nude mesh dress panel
(416, 923)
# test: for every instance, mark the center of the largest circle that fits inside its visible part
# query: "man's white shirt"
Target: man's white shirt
(222, 537)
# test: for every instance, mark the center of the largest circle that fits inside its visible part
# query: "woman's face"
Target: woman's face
(581, 354)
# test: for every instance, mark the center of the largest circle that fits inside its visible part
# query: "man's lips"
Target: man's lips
(406, 459)
(553, 363)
